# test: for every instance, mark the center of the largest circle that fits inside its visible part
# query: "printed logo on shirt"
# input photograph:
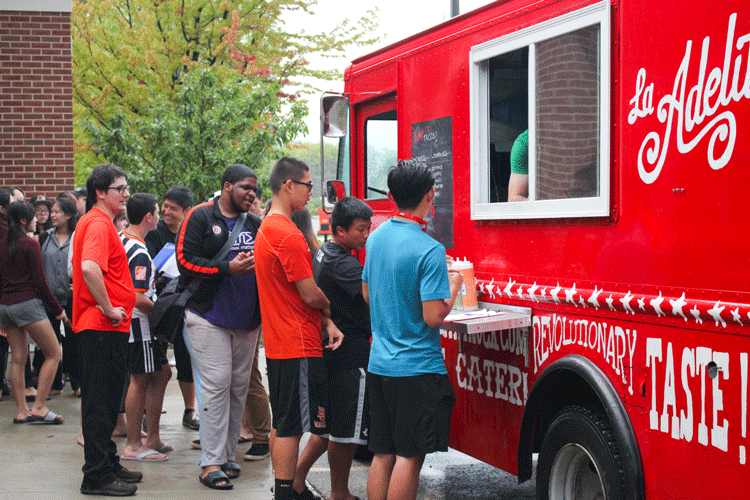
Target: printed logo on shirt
(244, 242)
(217, 230)
(140, 273)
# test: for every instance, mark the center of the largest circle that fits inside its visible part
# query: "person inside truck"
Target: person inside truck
(518, 185)
(411, 397)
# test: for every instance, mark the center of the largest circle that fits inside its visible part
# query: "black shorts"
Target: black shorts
(298, 396)
(146, 356)
(182, 359)
(410, 416)
(349, 408)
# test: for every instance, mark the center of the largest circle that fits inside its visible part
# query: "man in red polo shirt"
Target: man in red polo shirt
(103, 301)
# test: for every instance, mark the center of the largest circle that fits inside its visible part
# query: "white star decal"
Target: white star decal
(677, 306)
(544, 294)
(569, 295)
(491, 287)
(736, 316)
(626, 303)
(696, 314)
(594, 299)
(480, 287)
(520, 293)
(656, 304)
(642, 303)
(532, 292)
(715, 313)
(553, 293)
(582, 301)
(508, 287)
(609, 302)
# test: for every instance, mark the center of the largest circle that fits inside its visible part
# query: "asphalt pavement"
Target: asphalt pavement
(44, 461)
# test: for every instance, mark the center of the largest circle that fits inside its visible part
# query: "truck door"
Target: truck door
(376, 150)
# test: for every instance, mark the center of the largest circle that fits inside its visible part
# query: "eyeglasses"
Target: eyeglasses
(308, 184)
(120, 189)
(41, 211)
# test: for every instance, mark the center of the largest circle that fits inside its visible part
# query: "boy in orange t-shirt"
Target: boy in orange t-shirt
(293, 308)
(103, 301)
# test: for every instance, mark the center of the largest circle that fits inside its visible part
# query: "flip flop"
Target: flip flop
(165, 448)
(51, 418)
(22, 420)
(214, 477)
(243, 440)
(231, 469)
(143, 457)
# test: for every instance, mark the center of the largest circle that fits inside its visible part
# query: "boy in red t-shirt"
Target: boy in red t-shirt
(103, 301)
(292, 307)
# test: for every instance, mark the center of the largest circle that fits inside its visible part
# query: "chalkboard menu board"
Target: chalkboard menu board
(432, 144)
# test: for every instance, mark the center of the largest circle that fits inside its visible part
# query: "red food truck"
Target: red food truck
(622, 354)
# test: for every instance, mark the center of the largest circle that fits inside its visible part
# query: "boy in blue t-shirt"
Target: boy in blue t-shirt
(410, 291)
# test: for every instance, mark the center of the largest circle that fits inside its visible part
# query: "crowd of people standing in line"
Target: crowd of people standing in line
(353, 352)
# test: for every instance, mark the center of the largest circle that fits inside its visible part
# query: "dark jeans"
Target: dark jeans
(104, 370)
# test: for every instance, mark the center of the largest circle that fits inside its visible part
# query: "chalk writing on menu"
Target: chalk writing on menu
(432, 144)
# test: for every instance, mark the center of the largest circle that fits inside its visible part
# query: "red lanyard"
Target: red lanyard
(422, 223)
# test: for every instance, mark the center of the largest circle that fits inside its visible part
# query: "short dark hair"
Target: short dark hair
(235, 172)
(346, 210)
(284, 169)
(100, 179)
(4, 198)
(180, 195)
(140, 204)
(14, 188)
(408, 182)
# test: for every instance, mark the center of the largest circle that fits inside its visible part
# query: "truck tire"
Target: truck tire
(579, 459)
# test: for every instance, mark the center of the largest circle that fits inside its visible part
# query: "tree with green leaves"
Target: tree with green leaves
(172, 90)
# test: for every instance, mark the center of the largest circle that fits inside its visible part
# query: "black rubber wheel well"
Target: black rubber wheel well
(562, 390)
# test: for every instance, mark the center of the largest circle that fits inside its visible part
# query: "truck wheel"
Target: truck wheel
(579, 459)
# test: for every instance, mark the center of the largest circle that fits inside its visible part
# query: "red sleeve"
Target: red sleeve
(295, 258)
(97, 249)
(36, 268)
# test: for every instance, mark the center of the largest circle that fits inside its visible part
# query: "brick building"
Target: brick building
(36, 107)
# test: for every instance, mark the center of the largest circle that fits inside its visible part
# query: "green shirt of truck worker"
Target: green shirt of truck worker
(518, 184)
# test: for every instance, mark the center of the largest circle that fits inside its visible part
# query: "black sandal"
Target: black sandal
(212, 478)
(231, 469)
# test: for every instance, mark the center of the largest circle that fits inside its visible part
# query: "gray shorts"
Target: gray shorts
(22, 314)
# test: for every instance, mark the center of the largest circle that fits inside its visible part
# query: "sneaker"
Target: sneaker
(191, 420)
(129, 476)
(196, 444)
(305, 495)
(258, 451)
(114, 489)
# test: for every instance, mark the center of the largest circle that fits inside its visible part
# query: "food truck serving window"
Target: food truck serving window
(540, 120)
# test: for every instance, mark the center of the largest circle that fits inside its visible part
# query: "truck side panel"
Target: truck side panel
(657, 293)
